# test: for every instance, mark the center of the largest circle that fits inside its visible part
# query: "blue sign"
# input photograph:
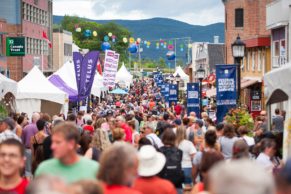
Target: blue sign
(167, 92)
(193, 104)
(226, 89)
(173, 94)
(163, 89)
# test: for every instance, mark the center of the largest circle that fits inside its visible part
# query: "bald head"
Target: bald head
(35, 117)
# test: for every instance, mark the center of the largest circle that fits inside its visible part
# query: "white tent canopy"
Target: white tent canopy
(278, 89)
(68, 75)
(36, 94)
(183, 75)
(7, 85)
(98, 86)
(123, 75)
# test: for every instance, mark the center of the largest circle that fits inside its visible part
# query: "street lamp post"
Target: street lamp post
(178, 78)
(200, 73)
(238, 53)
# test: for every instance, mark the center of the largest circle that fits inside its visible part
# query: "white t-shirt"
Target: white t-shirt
(249, 140)
(265, 161)
(188, 149)
(155, 140)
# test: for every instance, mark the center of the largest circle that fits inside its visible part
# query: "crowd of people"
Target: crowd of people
(136, 144)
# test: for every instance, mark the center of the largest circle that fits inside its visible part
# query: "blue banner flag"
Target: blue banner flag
(193, 104)
(173, 94)
(226, 97)
(167, 92)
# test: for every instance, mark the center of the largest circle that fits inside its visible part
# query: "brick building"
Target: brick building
(29, 19)
(247, 18)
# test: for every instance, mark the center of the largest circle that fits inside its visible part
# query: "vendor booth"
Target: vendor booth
(36, 94)
(124, 76)
(278, 89)
(8, 91)
(184, 77)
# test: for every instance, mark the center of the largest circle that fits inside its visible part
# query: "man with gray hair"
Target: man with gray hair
(118, 168)
(240, 177)
(7, 125)
(27, 132)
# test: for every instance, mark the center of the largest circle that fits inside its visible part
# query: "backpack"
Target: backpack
(172, 170)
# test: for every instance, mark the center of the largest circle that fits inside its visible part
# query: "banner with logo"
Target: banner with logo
(85, 68)
(193, 100)
(77, 58)
(173, 94)
(88, 71)
(110, 68)
(226, 89)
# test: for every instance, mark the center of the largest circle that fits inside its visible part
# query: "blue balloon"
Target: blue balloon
(106, 38)
(171, 55)
(87, 33)
(132, 48)
(105, 46)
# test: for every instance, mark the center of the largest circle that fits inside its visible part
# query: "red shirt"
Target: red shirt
(19, 189)
(128, 132)
(154, 185)
(89, 128)
(118, 189)
(178, 109)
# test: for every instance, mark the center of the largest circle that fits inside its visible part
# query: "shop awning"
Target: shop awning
(247, 82)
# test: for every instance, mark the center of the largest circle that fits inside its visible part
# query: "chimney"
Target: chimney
(216, 39)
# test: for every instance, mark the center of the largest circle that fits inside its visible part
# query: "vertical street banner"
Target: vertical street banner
(173, 94)
(193, 100)
(163, 89)
(78, 58)
(167, 92)
(226, 82)
(88, 71)
(110, 68)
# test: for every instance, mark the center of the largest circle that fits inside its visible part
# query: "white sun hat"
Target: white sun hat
(151, 162)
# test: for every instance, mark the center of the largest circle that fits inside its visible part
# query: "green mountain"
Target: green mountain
(166, 29)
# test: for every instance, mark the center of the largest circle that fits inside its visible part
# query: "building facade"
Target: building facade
(28, 19)
(62, 48)
(279, 24)
(248, 20)
(207, 55)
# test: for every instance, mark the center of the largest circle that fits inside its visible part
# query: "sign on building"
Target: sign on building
(15, 46)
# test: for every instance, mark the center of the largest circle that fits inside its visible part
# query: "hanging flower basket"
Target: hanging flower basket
(240, 117)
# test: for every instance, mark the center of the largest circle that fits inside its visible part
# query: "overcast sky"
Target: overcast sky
(199, 12)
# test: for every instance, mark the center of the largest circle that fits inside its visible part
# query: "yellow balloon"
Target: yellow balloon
(95, 33)
(148, 43)
(131, 40)
(125, 40)
(78, 29)
(110, 34)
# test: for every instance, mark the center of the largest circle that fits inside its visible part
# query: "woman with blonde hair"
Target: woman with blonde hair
(100, 139)
(188, 150)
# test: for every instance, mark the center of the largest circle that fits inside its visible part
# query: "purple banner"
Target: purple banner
(88, 70)
(59, 83)
(78, 58)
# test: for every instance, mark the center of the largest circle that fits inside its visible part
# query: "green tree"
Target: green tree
(94, 43)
